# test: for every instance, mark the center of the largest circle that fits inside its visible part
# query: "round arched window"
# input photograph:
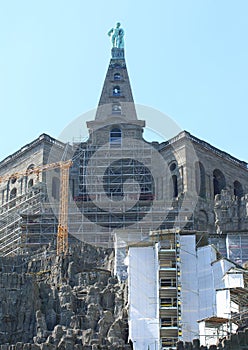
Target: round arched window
(30, 183)
(13, 193)
(117, 76)
(219, 181)
(116, 108)
(116, 91)
(238, 189)
(173, 166)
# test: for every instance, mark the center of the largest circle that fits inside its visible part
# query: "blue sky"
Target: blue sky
(186, 58)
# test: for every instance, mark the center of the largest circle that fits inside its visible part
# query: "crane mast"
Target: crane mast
(62, 236)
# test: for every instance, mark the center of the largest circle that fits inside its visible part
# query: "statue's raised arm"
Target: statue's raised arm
(110, 31)
(117, 36)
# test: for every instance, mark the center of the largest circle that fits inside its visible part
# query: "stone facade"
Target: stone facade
(203, 172)
(21, 195)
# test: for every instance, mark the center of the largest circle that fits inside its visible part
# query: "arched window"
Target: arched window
(116, 91)
(13, 180)
(12, 194)
(117, 76)
(12, 197)
(29, 168)
(55, 187)
(115, 137)
(30, 183)
(175, 186)
(116, 108)
(219, 181)
(200, 179)
(174, 176)
(238, 189)
(173, 166)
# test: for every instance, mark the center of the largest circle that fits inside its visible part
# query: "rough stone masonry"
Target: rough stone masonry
(71, 302)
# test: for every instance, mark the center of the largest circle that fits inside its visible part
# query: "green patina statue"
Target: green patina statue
(117, 36)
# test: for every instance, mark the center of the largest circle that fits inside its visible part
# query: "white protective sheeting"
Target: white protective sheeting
(220, 267)
(234, 279)
(189, 288)
(143, 297)
(207, 304)
(211, 332)
(214, 280)
(223, 302)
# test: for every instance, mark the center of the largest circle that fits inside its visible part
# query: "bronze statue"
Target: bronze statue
(117, 36)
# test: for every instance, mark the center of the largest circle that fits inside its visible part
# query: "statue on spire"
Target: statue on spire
(117, 36)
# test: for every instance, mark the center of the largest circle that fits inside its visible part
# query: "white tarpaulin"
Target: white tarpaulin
(143, 298)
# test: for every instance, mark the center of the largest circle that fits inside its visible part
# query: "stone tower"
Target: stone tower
(116, 186)
(116, 106)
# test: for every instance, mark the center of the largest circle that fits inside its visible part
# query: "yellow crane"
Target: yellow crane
(64, 166)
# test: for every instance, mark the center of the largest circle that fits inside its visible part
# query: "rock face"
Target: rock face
(71, 302)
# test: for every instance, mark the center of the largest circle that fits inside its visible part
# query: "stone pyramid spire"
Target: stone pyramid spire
(117, 88)
(116, 103)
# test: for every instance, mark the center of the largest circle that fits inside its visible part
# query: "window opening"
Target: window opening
(173, 166)
(238, 189)
(115, 137)
(30, 183)
(116, 108)
(13, 193)
(175, 186)
(200, 179)
(117, 76)
(116, 91)
(219, 181)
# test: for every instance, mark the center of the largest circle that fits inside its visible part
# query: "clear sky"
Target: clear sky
(186, 58)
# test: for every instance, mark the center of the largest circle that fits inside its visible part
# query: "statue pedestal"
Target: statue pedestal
(117, 53)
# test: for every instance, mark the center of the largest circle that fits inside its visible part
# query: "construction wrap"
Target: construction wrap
(143, 297)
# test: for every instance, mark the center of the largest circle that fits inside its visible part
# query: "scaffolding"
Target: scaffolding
(232, 245)
(38, 228)
(11, 218)
(117, 190)
(31, 225)
(239, 296)
(112, 189)
(169, 287)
